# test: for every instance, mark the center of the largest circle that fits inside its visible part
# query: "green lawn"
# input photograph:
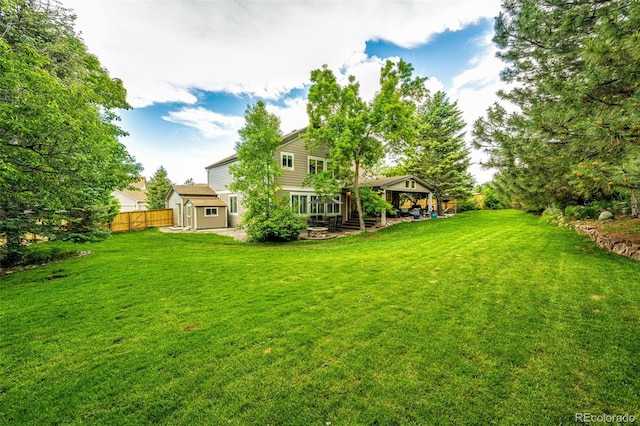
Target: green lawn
(487, 317)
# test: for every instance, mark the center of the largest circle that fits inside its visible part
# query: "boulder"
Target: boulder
(605, 215)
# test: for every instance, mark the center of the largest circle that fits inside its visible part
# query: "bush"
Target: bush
(282, 225)
(372, 204)
(551, 214)
(593, 209)
(467, 205)
(40, 253)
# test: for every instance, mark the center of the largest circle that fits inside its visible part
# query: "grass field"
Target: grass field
(487, 317)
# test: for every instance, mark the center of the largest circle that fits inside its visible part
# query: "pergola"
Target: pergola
(390, 189)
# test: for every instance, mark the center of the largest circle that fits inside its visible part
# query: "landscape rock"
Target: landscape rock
(619, 246)
(605, 215)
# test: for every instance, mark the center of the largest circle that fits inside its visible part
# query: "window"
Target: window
(406, 183)
(413, 184)
(334, 208)
(210, 211)
(286, 160)
(233, 204)
(316, 208)
(299, 203)
(316, 165)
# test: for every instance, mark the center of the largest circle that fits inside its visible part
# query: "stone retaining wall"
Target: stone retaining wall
(615, 245)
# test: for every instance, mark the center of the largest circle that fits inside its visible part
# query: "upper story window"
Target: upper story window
(316, 165)
(286, 160)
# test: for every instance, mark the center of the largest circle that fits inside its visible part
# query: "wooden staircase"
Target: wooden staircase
(354, 224)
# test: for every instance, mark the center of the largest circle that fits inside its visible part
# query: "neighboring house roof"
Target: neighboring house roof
(385, 182)
(141, 184)
(199, 189)
(285, 139)
(206, 202)
(136, 195)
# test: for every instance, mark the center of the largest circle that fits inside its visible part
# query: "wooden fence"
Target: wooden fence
(134, 221)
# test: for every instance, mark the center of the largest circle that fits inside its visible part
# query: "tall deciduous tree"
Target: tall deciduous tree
(355, 131)
(438, 153)
(255, 176)
(576, 89)
(60, 157)
(256, 171)
(157, 189)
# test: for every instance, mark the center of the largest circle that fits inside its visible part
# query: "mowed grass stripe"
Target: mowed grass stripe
(485, 317)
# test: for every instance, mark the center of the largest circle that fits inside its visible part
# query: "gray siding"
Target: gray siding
(233, 220)
(173, 202)
(219, 177)
(294, 178)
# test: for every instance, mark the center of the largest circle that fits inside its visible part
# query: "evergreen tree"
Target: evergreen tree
(576, 87)
(157, 189)
(438, 153)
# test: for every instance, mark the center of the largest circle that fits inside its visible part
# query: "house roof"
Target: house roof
(140, 184)
(139, 196)
(206, 202)
(285, 139)
(199, 189)
(385, 182)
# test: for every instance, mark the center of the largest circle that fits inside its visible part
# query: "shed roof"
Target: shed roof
(206, 202)
(200, 189)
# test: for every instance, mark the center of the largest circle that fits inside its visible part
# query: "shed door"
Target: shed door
(189, 213)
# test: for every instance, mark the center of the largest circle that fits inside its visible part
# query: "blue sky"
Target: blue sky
(191, 67)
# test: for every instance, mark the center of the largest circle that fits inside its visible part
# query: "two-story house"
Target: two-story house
(297, 163)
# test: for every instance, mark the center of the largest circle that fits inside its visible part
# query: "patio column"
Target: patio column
(383, 219)
(429, 202)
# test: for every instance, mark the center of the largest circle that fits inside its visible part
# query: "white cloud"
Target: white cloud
(160, 49)
(293, 115)
(165, 51)
(210, 124)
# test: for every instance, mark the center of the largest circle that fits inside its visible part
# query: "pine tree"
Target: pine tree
(438, 154)
(157, 189)
(576, 89)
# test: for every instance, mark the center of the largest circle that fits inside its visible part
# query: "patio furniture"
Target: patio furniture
(338, 221)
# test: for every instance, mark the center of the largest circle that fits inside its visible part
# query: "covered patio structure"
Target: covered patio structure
(390, 188)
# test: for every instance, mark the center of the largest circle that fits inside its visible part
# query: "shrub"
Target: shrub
(282, 225)
(372, 204)
(467, 205)
(573, 212)
(37, 254)
(551, 214)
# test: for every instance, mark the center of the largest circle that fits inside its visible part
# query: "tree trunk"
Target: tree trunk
(356, 193)
(635, 203)
(439, 208)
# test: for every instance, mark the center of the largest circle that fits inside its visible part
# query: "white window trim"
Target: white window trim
(211, 215)
(301, 194)
(293, 162)
(231, 212)
(324, 163)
